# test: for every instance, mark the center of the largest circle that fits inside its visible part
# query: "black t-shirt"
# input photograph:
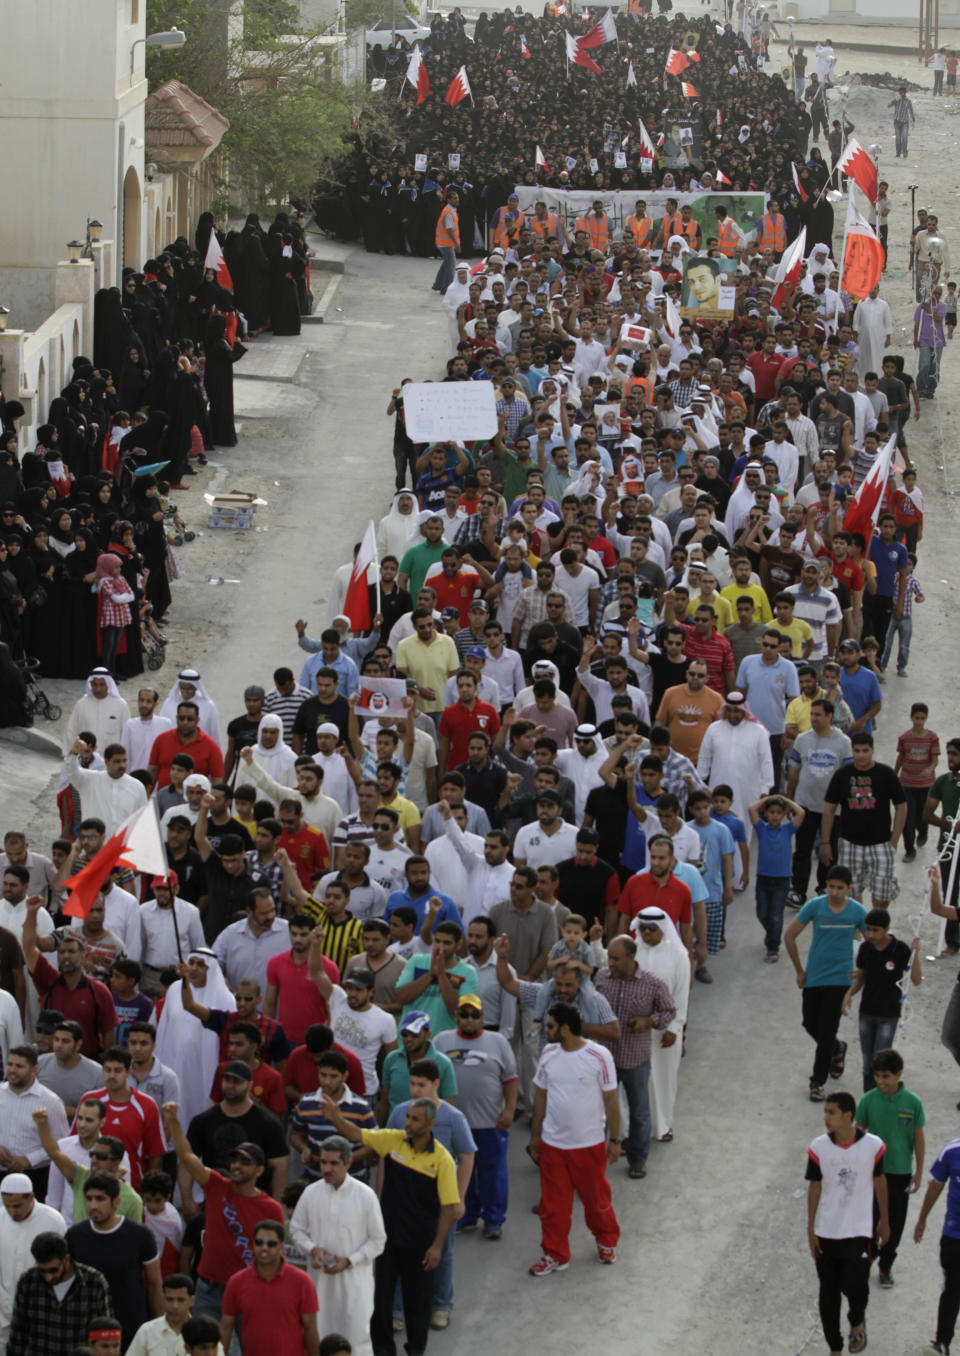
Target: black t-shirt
(883, 971)
(864, 801)
(584, 888)
(213, 1135)
(314, 712)
(191, 874)
(227, 895)
(243, 731)
(217, 832)
(666, 673)
(609, 811)
(120, 1256)
(784, 569)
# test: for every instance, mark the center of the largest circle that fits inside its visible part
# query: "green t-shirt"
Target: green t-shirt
(417, 560)
(129, 1203)
(895, 1119)
(946, 790)
(462, 976)
(396, 1074)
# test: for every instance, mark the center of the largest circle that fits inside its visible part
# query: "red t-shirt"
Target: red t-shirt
(90, 1004)
(300, 1071)
(456, 592)
(136, 1124)
(458, 723)
(716, 652)
(765, 372)
(229, 1222)
(307, 851)
(266, 1088)
(643, 892)
(205, 752)
(917, 753)
(299, 1001)
(271, 1312)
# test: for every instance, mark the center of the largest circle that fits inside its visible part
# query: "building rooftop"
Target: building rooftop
(175, 116)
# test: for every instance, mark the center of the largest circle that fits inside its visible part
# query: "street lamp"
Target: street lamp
(169, 37)
(94, 232)
(74, 250)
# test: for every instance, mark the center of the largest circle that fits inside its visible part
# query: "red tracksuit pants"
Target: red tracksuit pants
(563, 1172)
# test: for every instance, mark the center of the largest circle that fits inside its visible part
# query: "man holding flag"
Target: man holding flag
(70, 991)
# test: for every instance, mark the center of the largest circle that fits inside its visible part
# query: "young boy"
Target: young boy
(837, 920)
(715, 865)
(244, 799)
(774, 830)
(896, 1115)
(201, 1336)
(574, 951)
(722, 798)
(918, 751)
(950, 319)
(902, 625)
(907, 505)
(130, 1004)
(404, 937)
(162, 1218)
(882, 961)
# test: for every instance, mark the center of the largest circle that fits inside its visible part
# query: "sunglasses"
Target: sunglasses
(266, 1242)
(100, 1155)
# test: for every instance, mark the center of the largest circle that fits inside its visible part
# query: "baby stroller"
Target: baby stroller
(36, 699)
(153, 651)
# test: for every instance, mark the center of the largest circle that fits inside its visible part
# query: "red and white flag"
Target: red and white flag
(721, 178)
(356, 604)
(604, 31)
(136, 843)
(801, 191)
(216, 261)
(788, 269)
(524, 49)
(862, 265)
(692, 54)
(671, 315)
(459, 88)
(417, 74)
(541, 161)
(579, 56)
(719, 118)
(676, 61)
(646, 141)
(689, 91)
(631, 74)
(864, 509)
(859, 166)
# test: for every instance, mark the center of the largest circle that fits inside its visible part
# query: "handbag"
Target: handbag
(38, 597)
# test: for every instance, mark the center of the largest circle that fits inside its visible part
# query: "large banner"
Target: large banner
(745, 208)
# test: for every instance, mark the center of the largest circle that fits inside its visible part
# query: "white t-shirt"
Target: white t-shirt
(537, 848)
(686, 841)
(577, 590)
(846, 1199)
(575, 1081)
(361, 1032)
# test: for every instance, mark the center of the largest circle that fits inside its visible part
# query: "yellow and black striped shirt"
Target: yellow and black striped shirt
(341, 941)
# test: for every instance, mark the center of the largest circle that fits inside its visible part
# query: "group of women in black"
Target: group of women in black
(751, 128)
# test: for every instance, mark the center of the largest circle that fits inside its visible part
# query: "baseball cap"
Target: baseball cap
(171, 879)
(849, 645)
(238, 1068)
(477, 652)
(449, 613)
(364, 979)
(415, 1022)
(552, 796)
(480, 603)
(471, 1000)
(247, 1149)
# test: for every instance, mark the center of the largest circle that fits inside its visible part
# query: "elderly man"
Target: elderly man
(21, 1220)
(661, 952)
(736, 751)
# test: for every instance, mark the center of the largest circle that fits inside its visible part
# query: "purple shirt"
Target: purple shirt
(931, 325)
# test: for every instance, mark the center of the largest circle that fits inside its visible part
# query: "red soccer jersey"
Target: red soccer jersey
(136, 1124)
(266, 1088)
(308, 852)
(456, 592)
(300, 1072)
(459, 722)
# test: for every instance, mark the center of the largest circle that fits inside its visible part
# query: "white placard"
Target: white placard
(607, 419)
(439, 411)
(620, 160)
(570, 162)
(646, 165)
(382, 696)
(453, 160)
(420, 164)
(594, 165)
(632, 336)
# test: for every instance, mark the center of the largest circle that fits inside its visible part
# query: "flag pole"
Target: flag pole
(376, 566)
(843, 251)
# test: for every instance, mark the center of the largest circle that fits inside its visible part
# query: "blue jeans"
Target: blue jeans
(902, 627)
(635, 1084)
(209, 1301)
(900, 131)
(928, 370)
(876, 1033)
(448, 261)
(443, 1276)
(772, 894)
(487, 1192)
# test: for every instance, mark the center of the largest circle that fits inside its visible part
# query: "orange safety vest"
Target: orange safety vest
(448, 229)
(772, 232)
(544, 226)
(643, 384)
(597, 228)
(728, 237)
(672, 226)
(641, 228)
(690, 230)
(501, 233)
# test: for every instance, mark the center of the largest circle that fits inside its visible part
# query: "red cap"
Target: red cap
(171, 879)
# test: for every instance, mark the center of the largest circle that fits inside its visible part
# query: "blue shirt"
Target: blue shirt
(889, 560)
(634, 854)
(768, 688)
(775, 848)
(693, 880)
(448, 914)
(830, 960)
(947, 1169)
(348, 675)
(736, 826)
(860, 690)
(716, 842)
(450, 1128)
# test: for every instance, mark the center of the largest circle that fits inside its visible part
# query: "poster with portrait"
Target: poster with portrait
(709, 288)
(382, 696)
(681, 141)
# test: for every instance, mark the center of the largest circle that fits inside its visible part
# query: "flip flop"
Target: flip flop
(637, 1173)
(858, 1340)
(667, 1138)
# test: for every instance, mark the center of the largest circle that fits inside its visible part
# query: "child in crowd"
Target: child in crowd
(131, 1005)
(897, 1117)
(902, 626)
(882, 961)
(842, 715)
(404, 936)
(162, 1218)
(244, 800)
(574, 951)
(722, 799)
(950, 319)
(870, 650)
(775, 820)
(918, 751)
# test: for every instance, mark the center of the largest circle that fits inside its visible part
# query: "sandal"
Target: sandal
(667, 1138)
(858, 1340)
(839, 1060)
(637, 1173)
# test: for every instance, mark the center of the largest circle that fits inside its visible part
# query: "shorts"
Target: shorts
(950, 318)
(872, 868)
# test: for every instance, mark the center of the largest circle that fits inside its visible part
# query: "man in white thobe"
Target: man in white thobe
(736, 751)
(873, 322)
(101, 711)
(140, 731)
(337, 1224)
(661, 952)
(21, 1219)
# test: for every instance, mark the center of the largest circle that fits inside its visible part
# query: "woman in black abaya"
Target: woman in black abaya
(78, 632)
(151, 540)
(253, 284)
(42, 619)
(218, 381)
(133, 379)
(287, 265)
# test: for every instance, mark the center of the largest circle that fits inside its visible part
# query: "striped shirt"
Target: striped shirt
(308, 1119)
(716, 652)
(642, 995)
(819, 610)
(341, 941)
(274, 704)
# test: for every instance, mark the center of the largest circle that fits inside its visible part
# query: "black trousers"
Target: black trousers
(416, 1285)
(898, 1202)
(844, 1269)
(915, 830)
(877, 609)
(950, 1294)
(822, 1006)
(804, 842)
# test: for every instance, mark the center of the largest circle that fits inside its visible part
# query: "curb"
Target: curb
(31, 738)
(322, 306)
